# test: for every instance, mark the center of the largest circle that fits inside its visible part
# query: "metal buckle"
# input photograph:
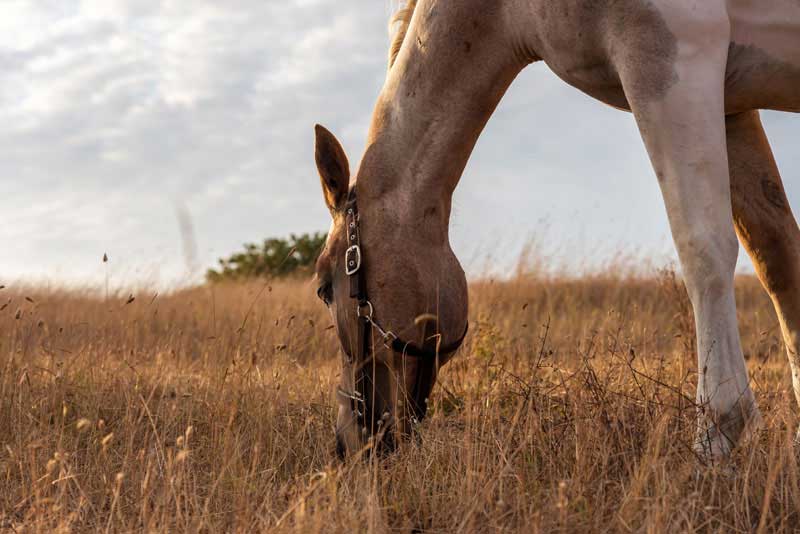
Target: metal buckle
(352, 260)
(388, 339)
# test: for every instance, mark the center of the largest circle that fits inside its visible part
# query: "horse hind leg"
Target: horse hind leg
(766, 226)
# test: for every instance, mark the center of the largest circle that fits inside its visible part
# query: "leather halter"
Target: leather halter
(359, 401)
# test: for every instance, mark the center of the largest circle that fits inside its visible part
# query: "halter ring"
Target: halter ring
(365, 305)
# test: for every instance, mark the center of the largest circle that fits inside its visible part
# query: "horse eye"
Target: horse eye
(325, 293)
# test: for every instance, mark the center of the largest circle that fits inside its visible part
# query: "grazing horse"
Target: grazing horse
(694, 73)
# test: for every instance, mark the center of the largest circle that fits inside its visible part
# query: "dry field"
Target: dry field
(211, 410)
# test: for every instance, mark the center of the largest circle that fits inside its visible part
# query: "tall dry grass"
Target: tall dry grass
(211, 410)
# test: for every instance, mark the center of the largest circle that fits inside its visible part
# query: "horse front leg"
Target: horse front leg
(683, 128)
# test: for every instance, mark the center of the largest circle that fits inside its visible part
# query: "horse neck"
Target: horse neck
(452, 70)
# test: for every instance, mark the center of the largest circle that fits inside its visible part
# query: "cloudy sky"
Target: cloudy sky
(119, 115)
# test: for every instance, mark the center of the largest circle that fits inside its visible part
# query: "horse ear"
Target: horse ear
(334, 170)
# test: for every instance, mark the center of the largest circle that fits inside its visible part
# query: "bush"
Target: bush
(275, 258)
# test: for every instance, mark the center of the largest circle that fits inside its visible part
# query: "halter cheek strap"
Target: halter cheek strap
(427, 355)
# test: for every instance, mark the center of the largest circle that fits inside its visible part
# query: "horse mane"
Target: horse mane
(399, 24)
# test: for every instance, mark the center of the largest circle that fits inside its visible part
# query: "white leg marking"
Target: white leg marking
(685, 136)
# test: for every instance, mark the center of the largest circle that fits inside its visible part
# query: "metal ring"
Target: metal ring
(360, 306)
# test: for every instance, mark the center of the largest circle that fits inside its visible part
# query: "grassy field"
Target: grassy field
(211, 410)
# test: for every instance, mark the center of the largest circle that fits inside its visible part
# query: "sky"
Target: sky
(124, 121)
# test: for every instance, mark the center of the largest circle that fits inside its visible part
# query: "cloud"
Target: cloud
(114, 110)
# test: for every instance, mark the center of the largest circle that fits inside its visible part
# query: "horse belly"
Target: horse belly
(763, 69)
(598, 80)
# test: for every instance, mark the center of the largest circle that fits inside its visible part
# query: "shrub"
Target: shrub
(275, 258)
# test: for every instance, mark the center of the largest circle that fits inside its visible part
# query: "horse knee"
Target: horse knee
(709, 261)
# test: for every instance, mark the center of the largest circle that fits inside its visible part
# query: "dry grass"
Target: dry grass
(211, 410)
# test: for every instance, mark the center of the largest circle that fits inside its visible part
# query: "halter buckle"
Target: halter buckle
(388, 339)
(352, 260)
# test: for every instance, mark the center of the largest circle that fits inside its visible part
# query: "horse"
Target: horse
(693, 74)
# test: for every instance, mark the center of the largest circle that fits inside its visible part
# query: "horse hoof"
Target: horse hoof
(717, 440)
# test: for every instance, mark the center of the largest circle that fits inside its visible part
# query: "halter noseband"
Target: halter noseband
(358, 400)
